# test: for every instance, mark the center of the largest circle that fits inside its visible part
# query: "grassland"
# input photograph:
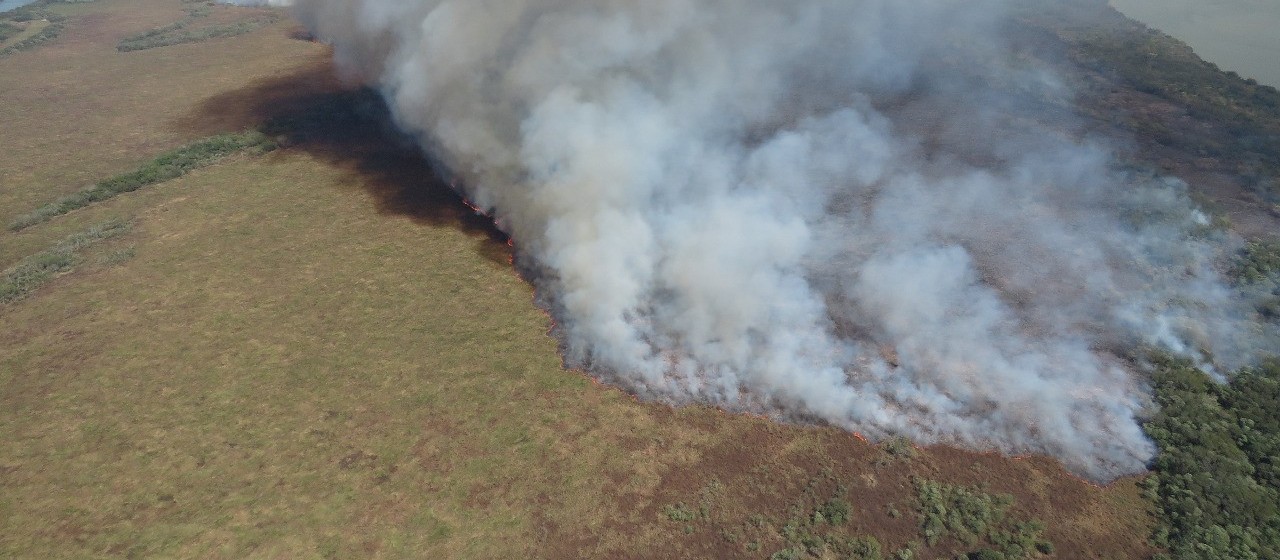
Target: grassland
(29, 27)
(18, 281)
(320, 352)
(8, 29)
(1177, 114)
(189, 29)
(165, 167)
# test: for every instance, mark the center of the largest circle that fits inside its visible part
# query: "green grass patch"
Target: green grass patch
(167, 166)
(182, 31)
(814, 525)
(23, 278)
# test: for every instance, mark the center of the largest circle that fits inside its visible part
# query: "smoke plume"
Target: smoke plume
(871, 213)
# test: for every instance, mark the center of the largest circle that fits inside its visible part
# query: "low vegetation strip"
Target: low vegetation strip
(167, 166)
(23, 278)
(46, 24)
(47, 33)
(181, 32)
(953, 521)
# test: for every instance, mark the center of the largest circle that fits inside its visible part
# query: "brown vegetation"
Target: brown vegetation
(325, 352)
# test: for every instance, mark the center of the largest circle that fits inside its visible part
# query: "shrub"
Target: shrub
(1158, 65)
(786, 554)
(1258, 262)
(857, 548)
(835, 511)
(965, 513)
(678, 512)
(971, 516)
(899, 448)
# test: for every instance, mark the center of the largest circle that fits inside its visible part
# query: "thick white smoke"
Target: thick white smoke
(845, 210)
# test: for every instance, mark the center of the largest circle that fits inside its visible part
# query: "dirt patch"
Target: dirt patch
(767, 472)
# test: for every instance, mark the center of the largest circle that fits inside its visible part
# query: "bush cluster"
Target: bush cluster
(1258, 262)
(167, 166)
(1256, 273)
(972, 516)
(678, 512)
(1217, 476)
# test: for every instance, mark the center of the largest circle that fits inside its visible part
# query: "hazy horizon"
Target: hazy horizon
(6, 5)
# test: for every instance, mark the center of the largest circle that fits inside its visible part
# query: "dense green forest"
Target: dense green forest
(1217, 481)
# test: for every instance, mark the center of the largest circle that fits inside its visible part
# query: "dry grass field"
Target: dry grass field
(320, 352)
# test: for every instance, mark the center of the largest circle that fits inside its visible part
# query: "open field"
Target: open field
(320, 352)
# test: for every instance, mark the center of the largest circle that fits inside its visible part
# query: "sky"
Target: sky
(6, 5)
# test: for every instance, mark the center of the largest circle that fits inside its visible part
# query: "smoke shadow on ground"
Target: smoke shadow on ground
(351, 128)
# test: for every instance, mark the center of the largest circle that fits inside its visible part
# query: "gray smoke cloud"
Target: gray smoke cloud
(871, 213)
